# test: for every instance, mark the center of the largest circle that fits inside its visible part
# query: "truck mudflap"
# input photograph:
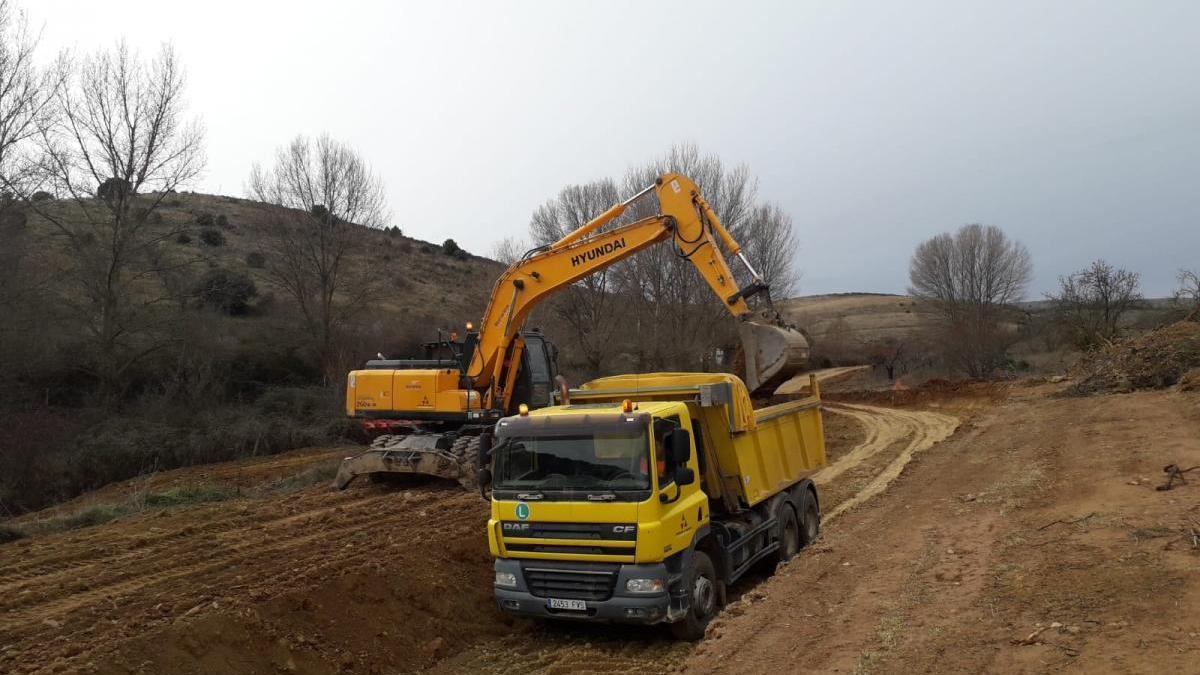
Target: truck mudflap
(618, 607)
(416, 454)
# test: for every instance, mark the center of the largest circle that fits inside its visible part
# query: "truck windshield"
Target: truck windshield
(577, 461)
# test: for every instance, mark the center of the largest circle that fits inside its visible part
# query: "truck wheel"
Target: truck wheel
(789, 534)
(810, 519)
(704, 599)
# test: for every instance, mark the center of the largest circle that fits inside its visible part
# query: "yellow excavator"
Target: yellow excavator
(429, 413)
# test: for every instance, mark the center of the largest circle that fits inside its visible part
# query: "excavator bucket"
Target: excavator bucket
(420, 454)
(773, 353)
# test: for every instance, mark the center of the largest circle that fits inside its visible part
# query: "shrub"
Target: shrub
(222, 221)
(256, 260)
(12, 219)
(228, 291)
(205, 220)
(304, 402)
(451, 248)
(9, 533)
(212, 237)
(183, 238)
(41, 196)
(152, 217)
(113, 188)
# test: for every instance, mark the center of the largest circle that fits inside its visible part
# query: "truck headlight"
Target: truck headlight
(506, 579)
(644, 585)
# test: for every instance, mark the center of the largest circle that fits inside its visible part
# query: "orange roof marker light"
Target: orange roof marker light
(523, 410)
(627, 406)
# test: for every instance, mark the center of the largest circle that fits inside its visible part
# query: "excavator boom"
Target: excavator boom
(684, 215)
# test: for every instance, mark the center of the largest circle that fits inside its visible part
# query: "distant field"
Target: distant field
(857, 316)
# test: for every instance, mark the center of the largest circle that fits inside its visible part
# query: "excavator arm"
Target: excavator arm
(685, 217)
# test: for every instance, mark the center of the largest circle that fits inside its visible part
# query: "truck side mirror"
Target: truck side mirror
(684, 476)
(484, 461)
(485, 450)
(679, 445)
(484, 476)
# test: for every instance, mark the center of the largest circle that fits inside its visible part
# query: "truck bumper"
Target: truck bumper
(620, 607)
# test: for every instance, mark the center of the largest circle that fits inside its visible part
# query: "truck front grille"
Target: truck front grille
(571, 584)
(548, 530)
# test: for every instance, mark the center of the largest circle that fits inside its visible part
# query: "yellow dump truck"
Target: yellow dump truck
(639, 498)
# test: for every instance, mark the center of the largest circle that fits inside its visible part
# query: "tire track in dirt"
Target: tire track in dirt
(884, 426)
(50, 570)
(53, 600)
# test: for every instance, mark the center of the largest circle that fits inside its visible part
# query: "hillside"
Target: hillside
(216, 359)
(856, 316)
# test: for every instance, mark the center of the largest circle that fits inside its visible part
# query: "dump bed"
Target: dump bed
(749, 454)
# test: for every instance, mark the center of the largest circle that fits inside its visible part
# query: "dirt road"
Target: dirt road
(1033, 541)
(935, 556)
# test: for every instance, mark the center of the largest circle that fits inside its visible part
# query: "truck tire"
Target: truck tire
(790, 535)
(810, 518)
(704, 596)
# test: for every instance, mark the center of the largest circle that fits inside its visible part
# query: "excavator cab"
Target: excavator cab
(535, 379)
(424, 415)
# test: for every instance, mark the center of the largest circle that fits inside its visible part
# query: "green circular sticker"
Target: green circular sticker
(522, 511)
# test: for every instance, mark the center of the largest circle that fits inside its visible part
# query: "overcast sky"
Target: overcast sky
(1075, 126)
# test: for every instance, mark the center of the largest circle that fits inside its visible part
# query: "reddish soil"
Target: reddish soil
(1031, 540)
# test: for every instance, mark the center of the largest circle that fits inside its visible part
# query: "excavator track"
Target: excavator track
(419, 454)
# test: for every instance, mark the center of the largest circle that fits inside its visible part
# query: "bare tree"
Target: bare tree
(1090, 303)
(27, 94)
(120, 133)
(886, 352)
(677, 324)
(656, 298)
(509, 250)
(588, 306)
(770, 242)
(1188, 292)
(969, 278)
(329, 195)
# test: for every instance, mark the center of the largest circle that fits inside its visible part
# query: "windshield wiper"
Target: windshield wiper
(604, 497)
(530, 496)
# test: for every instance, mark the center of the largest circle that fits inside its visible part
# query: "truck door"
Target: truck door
(682, 505)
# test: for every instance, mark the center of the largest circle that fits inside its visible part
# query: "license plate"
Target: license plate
(575, 605)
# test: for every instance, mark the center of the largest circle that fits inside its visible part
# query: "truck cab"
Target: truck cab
(638, 505)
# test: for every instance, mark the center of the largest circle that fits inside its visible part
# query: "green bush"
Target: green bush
(222, 221)
(451, 248)
(256, 260)
(41, 196)
(205, 220)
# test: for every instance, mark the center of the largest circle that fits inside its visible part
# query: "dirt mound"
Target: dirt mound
(1190, 380)
(933, 392)
(1156, 360)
